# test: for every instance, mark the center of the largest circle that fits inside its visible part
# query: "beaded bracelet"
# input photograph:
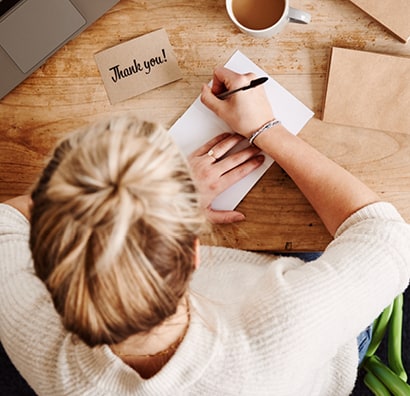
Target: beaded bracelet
(268, 125)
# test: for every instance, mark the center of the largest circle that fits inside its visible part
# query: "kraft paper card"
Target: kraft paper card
(198, 125)
(392, 14)
(137, 66)
(368, 90)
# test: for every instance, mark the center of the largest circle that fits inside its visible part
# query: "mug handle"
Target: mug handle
(298, 16)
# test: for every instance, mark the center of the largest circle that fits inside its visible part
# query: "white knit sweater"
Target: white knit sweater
(261, 325)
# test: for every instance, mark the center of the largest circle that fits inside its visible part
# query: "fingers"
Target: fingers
(219, 145)
(228, 179)
(210, 144)
(222, 148)
(235, 167)
(224, 79)
(217, 165)
(210, 100)
(228, 79)
(241, 170)
(244, 112)
(232, 161)
(229, 156)
(224, 216)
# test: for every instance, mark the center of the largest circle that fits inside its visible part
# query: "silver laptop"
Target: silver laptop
(32, 30)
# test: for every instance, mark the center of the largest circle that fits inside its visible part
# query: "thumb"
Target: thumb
(224, 216)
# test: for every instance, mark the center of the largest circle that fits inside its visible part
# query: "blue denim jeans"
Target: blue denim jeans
(365, 337)
(363, 342)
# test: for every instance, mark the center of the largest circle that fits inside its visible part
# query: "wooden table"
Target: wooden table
(67, 92)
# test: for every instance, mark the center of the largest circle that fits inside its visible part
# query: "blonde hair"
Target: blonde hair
(114, 222)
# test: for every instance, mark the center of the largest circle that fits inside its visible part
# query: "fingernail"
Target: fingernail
(239, 217)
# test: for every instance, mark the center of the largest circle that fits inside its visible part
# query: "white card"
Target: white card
(199, 125)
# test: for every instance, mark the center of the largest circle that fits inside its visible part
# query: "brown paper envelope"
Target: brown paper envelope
(393, 14)
(137, 66)
(369, 90)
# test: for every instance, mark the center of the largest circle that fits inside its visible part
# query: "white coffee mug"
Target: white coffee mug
(288, 14)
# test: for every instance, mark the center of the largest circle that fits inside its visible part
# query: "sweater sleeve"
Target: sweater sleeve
(318, 307)
(30, 328)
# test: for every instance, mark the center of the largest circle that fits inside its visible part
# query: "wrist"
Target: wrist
(270, 125)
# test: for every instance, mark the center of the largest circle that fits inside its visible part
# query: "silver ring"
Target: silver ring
(211, 153)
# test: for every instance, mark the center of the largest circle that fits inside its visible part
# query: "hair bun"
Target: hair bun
(114, 222)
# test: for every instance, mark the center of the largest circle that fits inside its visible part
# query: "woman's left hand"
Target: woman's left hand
(214, 172)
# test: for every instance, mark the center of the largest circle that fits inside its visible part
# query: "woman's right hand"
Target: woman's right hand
(245, 111)
(333, 192)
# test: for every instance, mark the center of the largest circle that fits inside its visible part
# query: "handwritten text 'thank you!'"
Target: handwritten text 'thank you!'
(145, 66)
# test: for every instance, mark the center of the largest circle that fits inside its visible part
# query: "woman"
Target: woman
(142, 309)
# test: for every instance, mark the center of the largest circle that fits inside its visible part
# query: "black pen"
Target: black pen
(252, 84)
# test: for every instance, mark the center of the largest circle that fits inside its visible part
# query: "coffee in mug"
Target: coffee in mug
(263, 18)
(258, 14)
